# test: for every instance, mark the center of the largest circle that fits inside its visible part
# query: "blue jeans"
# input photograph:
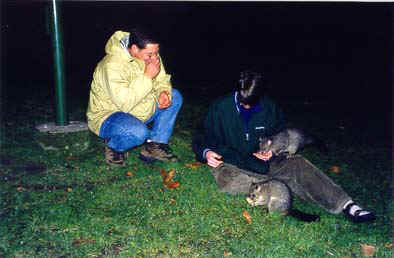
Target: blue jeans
(124, 131)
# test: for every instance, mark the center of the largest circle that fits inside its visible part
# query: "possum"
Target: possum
(287, 142)
(276, 196)
(272, 193)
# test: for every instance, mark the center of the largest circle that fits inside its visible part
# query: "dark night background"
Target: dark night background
(336, 52)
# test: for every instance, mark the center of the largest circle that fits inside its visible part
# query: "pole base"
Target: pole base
(73, 126)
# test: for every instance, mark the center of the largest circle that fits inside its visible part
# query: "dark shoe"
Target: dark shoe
(357, 217)
(115, 158)
(153, 151)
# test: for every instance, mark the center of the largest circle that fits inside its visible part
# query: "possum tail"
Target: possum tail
(303, 216)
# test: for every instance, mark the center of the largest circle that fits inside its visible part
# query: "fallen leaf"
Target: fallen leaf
(69, 189)
(169, 177)
(130, 174)
(172, 185)
(111, 231)
(20, 189)
(247, 216)
(71, 157)
(172, 200)
(227, 254)
(193, 165)
(78, 242)
(367, 250)
(163, 174)
(335, 169)
(389, 245)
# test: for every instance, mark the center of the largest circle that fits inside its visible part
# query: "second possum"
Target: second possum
(276, 196)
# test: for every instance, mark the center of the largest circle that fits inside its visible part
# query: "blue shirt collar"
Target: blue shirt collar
(240, 108)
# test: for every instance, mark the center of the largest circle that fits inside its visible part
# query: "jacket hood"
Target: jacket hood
(117, 45)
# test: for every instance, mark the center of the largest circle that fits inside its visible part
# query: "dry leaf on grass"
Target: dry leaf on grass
(78, 242)
(20, 189)
(130, 174)
(247, 216)
(170, 176)
(335, 169)
(69, 189)
(389, 245)
(227, 254)
(172, 185)
(71, 157)
(193, 165)
(163, 174)
(367, 250)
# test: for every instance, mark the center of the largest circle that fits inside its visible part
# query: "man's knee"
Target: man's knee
(177, 98)
(138, 134)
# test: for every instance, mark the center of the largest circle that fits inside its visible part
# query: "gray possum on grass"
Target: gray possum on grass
(276, 196)
(288, 142)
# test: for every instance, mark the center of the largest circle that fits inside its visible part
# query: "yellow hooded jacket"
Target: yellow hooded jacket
(119, 85)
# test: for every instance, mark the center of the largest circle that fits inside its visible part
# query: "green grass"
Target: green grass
(69, 203)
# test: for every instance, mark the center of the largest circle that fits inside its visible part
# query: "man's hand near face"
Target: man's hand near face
(164, 100)
(152, 67)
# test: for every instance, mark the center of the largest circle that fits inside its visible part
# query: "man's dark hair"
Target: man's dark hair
(141, 36)
(249, 87)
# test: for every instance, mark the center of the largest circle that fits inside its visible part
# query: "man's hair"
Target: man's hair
(141, 36)
(249, 87)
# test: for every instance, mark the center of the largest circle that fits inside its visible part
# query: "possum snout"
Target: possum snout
(264, 144)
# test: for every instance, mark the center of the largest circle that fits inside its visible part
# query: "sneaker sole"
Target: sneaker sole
(119, 165)
(151, 160)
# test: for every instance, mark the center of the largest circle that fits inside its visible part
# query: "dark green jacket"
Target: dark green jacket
(224, 132)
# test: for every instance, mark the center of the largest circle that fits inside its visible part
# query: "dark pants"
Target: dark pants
(304, 180)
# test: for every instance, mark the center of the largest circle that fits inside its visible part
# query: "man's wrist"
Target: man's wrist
(204, 153)
(148, 76)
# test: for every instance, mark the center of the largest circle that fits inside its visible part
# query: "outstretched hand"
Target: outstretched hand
(213, 159)
(263, 155)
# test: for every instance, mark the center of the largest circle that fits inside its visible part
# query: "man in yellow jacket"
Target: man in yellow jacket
(129, 90)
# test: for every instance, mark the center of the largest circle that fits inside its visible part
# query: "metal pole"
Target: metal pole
(57, 42)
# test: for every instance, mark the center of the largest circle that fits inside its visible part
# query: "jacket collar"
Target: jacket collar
(237, 104)
(124, 42)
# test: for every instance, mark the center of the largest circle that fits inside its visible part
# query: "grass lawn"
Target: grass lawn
(69, 203)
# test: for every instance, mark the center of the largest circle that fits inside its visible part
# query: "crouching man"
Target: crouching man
(130, 89)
